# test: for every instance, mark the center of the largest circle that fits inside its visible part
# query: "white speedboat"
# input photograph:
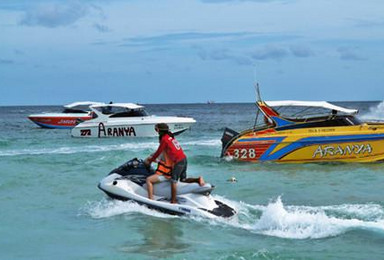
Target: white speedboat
(127, 120)
(128, 182)
(72, 114)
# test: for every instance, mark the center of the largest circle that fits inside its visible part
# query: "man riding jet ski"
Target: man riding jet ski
(128, 182)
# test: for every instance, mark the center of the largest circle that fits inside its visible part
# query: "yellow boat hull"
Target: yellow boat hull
(361, 143)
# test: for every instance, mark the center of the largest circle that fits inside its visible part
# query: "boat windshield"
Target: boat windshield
(303, 112)
(115, 111)
(77, 109)
(311, 116)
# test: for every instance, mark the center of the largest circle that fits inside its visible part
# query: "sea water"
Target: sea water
(51, 207)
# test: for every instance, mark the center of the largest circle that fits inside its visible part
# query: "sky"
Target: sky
(184, 51)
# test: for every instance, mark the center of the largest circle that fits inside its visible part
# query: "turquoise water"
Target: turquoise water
(52, 209)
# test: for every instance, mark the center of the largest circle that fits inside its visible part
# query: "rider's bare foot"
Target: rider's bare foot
(201, 181)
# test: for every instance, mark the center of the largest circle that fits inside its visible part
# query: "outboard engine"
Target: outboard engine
(227, 137)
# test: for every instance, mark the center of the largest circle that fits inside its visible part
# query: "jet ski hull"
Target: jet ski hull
(192, 198)
(123, 189)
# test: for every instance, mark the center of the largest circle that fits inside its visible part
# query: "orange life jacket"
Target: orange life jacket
(165, 166)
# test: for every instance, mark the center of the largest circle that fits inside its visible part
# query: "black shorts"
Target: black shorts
(179, 171)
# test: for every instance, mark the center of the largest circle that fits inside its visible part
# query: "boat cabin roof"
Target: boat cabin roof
(79, 107)
(82, 103)
(120, 110)
(311, 104)
(120, 105)
(290, 114)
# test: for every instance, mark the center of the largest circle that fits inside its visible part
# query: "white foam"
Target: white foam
(274, 219)
(207, 142)
(80, 149)
(228, 158)
(132, 146)
(375, 113)
(109, 208)
(301, 222)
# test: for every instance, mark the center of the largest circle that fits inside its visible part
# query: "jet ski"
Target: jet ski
(128, 182)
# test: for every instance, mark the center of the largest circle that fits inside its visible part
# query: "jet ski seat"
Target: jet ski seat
(163, 189)
(136, 171)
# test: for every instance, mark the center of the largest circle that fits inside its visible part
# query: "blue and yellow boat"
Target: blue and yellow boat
(305, 131)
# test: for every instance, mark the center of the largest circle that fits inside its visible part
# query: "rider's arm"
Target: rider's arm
(160, 149)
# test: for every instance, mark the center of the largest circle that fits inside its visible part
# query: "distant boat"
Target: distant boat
(71, 114)
(210, 102)
(127, 120)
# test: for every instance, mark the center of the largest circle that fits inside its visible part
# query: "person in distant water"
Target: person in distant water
(175, 160)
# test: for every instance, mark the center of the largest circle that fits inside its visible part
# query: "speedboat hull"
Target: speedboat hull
(362, 143)
(292, 131)
(144, 127)
(127, 120)
(58, 120)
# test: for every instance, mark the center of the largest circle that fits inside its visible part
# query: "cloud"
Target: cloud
(6, 61)
(222, 54)
(368, 23)
(270, 52)
(18, 52)
(301, 51)
(101, 28)
(54, 15)
(101, 43)
(183, 37)
(348, 53)
(256, 1)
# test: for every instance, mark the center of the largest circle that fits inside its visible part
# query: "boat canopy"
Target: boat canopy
(82, 103)
(120, 110)
(120, 105)
(314, 104)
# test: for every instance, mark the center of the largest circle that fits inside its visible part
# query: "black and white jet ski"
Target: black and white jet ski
(128, 182)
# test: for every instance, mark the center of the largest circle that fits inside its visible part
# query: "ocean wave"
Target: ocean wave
(274, 219)
(4, 143)
(302, 222)
(109, 208)
(101, 148)
(79, 149)
(208, 142)
(375, 113)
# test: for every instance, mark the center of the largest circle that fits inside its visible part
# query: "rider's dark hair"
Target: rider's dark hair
(163, 129)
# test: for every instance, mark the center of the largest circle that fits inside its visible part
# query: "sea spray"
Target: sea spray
(107, 208)
(277, 221)
(274, 219)
(313, 222)
(375, 113)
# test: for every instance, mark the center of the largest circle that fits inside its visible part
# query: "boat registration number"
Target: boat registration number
(244, 153)
(85, 132)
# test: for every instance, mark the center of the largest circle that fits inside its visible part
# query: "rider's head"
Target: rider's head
(162, 129)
